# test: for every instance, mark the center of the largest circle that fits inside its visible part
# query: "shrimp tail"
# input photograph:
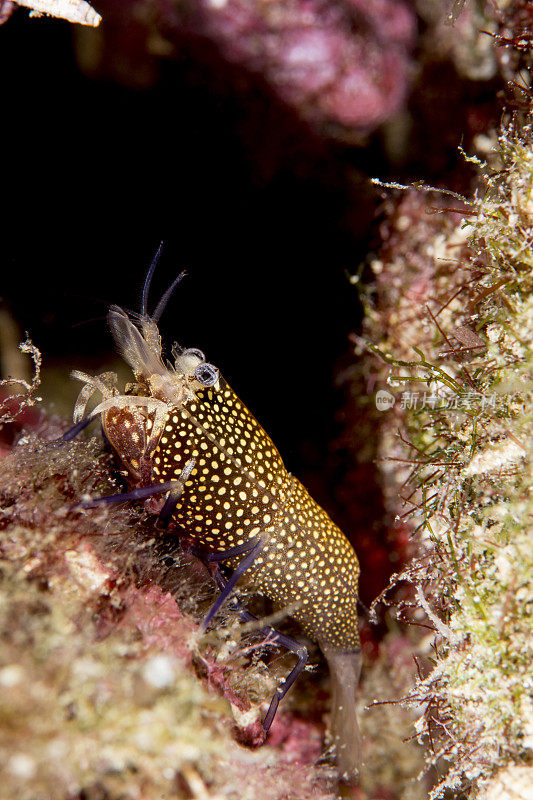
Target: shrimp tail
(345, 669)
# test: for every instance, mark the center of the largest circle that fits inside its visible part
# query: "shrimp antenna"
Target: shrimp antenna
(156, 316)
(148, 279)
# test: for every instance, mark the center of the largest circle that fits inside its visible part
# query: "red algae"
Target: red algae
(342, 65)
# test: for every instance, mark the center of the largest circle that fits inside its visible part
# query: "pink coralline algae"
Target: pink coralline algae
(342, 62)
(342, 65)
(6, 9)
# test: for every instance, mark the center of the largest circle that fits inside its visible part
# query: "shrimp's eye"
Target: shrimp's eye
(193, 351)
(206, 374)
